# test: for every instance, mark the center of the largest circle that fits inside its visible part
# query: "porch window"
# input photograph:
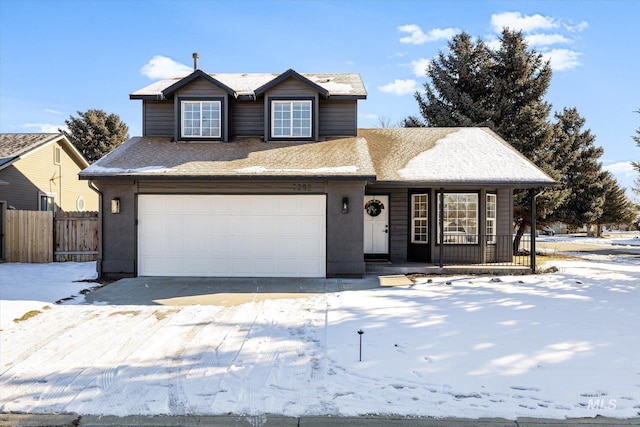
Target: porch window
(491, 218)
(460, 218)
(291, 119)
(419, 218)
(201, 119)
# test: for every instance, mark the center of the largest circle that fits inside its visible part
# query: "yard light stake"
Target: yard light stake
(360, 332)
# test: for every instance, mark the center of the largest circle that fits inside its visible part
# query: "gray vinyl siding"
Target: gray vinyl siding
(331, 118)
(230, 187)
(293, 88)
(20, 193)
(338, 118)
(158, 118)
(247, 118)
(200, 87)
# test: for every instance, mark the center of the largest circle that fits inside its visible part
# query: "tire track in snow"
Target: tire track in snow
(43, 330)
(64, 382)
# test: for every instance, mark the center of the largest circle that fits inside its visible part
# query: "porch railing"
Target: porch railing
(493, 250)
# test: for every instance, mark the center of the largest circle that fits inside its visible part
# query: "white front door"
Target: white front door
(376, 224)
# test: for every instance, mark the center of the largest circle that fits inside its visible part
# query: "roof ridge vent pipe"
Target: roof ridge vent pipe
(195, 61)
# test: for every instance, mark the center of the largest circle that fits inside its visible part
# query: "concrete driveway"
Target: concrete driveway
(220, 291)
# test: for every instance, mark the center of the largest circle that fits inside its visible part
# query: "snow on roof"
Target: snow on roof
(338, 84)
(449, 155)
(470, 154)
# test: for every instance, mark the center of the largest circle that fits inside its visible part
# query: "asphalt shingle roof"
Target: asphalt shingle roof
(159, 157)
(458, 156)
(14, 145)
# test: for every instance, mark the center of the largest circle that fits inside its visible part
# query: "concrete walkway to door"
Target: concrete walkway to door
(221, 291)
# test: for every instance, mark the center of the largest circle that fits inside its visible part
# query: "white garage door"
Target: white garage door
(232, 235)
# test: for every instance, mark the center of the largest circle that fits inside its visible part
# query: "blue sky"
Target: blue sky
(59, 57)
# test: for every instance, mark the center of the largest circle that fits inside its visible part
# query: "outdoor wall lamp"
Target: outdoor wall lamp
(115, 205)
(345, 205)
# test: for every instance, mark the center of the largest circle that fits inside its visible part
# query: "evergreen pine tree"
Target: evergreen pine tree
(460, 86)
(617, 209)
(95, 133)
(583, 175)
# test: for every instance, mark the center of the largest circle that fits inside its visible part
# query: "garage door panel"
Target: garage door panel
(222, 235)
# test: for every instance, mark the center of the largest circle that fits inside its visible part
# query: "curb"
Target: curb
(72, 420)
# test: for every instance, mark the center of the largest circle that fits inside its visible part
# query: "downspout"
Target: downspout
(100, 231)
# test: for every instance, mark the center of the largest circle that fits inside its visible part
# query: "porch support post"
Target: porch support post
(533, 230)
(441, 195)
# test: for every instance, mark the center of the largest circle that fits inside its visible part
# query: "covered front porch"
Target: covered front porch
(462, 259)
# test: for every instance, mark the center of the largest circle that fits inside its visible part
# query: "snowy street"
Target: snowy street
(557, 345)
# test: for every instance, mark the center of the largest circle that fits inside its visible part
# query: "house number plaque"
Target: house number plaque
(302, 188)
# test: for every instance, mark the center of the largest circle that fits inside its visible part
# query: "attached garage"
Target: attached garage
(232, 235)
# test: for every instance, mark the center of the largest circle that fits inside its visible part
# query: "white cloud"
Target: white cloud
(518, 21)
(417, 36)
(419, 67)
(44, 127)
(576, 28)
(370, 116)
(546, 39)
(49, 110)
(563, 59)
(161, 67)
(400, 87)
(621, 168)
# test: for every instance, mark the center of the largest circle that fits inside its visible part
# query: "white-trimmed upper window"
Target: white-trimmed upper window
(491, 217)
(291, 119)
(201, 119)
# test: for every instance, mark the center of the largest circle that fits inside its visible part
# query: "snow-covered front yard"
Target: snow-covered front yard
(558, 345)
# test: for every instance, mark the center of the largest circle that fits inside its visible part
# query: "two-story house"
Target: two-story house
(260, 175)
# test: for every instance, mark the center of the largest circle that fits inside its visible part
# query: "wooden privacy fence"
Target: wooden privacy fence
(75, 236)
(39, 237)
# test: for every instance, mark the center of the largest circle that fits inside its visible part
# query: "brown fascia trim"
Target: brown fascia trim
(227, 178)
(468, 184)
(245, 97)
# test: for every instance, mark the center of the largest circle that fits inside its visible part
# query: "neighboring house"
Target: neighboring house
(39, 171)
(267, 175)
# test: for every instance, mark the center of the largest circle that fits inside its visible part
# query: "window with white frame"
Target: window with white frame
(291, 119)
(47, 202)
(419, 218)
(201, 119)
(460, 218)
(491, 217)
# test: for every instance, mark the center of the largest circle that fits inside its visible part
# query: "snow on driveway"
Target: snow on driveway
(554, 345)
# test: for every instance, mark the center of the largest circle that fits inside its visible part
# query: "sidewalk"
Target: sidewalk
(26, 420)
